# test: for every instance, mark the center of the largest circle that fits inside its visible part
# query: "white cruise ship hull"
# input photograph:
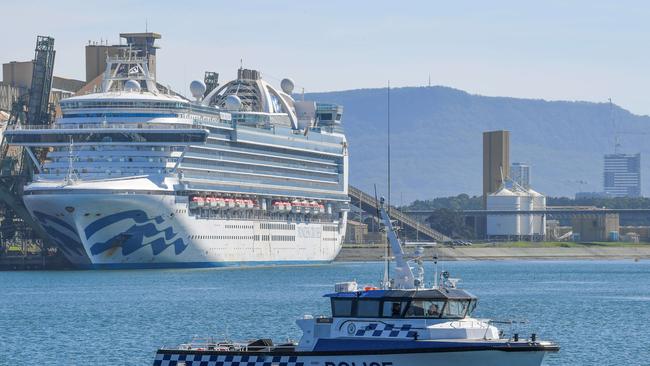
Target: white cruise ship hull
(114, 231)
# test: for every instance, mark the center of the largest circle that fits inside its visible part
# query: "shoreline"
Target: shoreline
(376, 253)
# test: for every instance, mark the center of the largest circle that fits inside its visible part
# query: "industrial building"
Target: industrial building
(590, 228)
(507, 188)
(517, 226)
(17, 78)
(520, 173)
(356, 232)
(622, 175)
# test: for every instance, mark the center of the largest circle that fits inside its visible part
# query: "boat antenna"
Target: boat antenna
(388, 140)
(386, 260)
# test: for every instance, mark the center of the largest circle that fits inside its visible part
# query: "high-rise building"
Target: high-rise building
(496, 160)
(520, 173)
(622, 175)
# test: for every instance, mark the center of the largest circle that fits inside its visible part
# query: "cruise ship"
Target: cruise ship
(136, 176)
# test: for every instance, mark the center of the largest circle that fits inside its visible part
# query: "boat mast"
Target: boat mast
(388, 141)
(386, 280)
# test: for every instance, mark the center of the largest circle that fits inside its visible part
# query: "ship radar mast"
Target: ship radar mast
(122, 71)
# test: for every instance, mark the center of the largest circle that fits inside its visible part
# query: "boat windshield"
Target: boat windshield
(403, 308)
(425, 309)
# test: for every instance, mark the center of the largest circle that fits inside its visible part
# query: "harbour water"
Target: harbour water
(597, 310)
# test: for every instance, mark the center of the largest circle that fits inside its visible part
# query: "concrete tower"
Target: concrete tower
(496, 160)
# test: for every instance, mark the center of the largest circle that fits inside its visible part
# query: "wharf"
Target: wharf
(593, 252)
(33, 262)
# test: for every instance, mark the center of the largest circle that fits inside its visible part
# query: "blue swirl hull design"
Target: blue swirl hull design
(114, 231)
(136, 236)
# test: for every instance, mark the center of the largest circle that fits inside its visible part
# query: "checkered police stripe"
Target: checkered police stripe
(386, 330)
(171, 359)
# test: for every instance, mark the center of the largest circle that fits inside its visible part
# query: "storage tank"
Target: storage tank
(539, 221)
(526, 222)
(503, 225)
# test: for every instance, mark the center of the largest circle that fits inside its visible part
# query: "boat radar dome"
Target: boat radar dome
(197, 88)
(132, 86)
(287, 85)
(233, 103)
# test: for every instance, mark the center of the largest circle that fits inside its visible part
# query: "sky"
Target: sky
(554, 50)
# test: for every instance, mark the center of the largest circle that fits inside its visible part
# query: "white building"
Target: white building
(523, 226)
(622, 175)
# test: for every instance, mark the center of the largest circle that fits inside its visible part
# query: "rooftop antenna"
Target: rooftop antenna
(146, 25)
(429, 80)
(303, 94)
(241, 63)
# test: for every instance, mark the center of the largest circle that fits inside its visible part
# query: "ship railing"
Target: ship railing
(80, 126)
(229, 346)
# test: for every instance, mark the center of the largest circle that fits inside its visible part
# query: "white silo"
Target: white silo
(539, 220)
(503, 225)
(526, 221)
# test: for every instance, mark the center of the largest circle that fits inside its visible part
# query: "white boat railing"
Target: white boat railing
(228, 346)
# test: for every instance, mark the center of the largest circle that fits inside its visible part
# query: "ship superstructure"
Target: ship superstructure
(137, 177)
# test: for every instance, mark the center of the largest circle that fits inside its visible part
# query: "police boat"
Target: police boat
(400, 323)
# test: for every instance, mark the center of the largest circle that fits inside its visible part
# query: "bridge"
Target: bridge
(368, 203)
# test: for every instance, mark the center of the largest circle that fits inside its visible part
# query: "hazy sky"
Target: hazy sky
(574, 50)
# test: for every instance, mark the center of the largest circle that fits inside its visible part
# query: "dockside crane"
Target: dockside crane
(31, 108)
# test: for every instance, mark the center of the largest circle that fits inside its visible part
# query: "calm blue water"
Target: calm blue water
(598, 311)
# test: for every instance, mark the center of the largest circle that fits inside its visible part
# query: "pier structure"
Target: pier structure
(419, 230)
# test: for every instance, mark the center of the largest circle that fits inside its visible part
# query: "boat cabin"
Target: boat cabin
(441, 303)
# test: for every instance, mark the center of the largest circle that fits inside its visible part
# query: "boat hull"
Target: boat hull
(122, 231)
(432, 358)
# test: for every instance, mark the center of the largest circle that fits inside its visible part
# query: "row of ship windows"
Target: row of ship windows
(273, 149)
(247, 237)
(120, 159)
(245, 166)
(239, 226)
(66, 149)
(286, 163)
(262, 179)
(126, 171)
(122, 104)
(277, 226)
(225, 237)
(283, 238)
(330, 228)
